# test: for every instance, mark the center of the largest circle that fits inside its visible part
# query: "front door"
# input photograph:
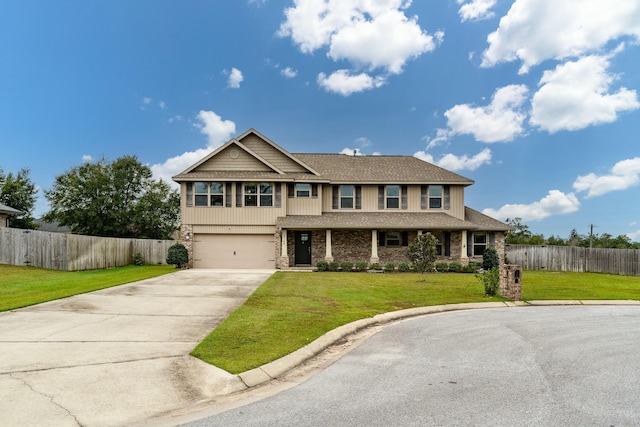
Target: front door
(303, 248)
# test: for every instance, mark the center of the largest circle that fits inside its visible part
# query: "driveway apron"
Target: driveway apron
(119, 355)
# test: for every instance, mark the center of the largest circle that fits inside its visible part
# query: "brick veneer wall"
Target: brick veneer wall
(187, 243)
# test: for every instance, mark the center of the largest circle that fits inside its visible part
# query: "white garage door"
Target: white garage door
(233, 251)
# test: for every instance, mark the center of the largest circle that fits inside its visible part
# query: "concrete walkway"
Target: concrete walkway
(120, 355)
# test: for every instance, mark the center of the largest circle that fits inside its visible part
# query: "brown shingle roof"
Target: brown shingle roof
(483, 221)
(376, 220)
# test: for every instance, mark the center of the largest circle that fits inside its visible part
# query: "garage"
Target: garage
(234, 251)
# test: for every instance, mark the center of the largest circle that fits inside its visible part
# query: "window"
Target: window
(303, 190)
(217, 194)
(393, 238)
(346, 196)
(393, 197)
(435, 196)
(207, 193)
(479, 243)
(258, 194)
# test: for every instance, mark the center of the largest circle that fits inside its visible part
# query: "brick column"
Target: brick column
(186, 238)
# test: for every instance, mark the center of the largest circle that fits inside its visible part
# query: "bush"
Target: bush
(455, 267)
(346, 266)
(361, 266)
(490, 258)
(389, 267)
(333, 266)
(375, 266)
(322, 265)
(177, 255)
(404, 267)
(442, 267)
(138, 259)
(472, 267)
(490, 279)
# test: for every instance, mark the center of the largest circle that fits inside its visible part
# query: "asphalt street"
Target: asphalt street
(524, 366)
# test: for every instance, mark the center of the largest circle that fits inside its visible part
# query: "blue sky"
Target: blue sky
(535, 100)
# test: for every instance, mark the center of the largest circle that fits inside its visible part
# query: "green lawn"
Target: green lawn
(292, 309)
(24, 286)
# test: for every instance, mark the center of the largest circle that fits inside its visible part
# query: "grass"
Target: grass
(292, 309)
(24, 286)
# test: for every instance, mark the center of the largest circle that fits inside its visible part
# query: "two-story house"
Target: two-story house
(252, 204)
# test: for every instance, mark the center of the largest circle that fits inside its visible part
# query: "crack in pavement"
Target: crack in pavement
(51, 398)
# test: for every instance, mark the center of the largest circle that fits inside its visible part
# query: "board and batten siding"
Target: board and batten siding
(232, 215)
(72, 252)
(272, 155)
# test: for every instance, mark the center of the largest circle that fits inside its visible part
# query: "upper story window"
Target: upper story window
(435, 196)
(258, 194)
(392, 200)
(208, 193)
(303, 190)
(347, 195)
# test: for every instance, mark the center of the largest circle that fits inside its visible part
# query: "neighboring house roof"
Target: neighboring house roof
(52, 227)
(9, 210)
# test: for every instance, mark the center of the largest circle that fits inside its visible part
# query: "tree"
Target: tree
(117, 199)
(17, 191)
(490, 258)
(423, 253)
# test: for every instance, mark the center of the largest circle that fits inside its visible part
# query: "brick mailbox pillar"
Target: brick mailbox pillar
(511, 282)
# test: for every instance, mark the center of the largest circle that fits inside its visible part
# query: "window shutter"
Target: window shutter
(278, 201)
(335, 198)
(189, 194)
(447, 203)
(469, 243)
(447, 244)
(403, 194)
(239, 195)
(290, 190)
(358, 197)
(492, 239)
(228, 196)
(424, 189)
(314, 190)
(405, 238)
(380, 197)
(381, 238)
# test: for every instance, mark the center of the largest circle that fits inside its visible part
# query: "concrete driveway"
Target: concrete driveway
(117, 356)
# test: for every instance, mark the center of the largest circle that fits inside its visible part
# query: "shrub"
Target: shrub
(490, 279)
(322, 265)
(346, 266)
(333, 266)
(404, 267)
(490, 258)
(178, 255)
(389, 267)
(138, 259)
(455, 267)
(442, 267)
(423, 253)
(361, 266)
(472, 267)
(374, 266)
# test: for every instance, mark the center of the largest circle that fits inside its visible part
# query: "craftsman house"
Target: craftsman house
(252, 204)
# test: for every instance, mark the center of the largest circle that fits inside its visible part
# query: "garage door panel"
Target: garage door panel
(234, 251)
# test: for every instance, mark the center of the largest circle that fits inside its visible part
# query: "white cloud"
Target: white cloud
(235, 78)
(635, 236)
(575, 95)
(363, 141)
(458, 163)
(343, 83)
(368, 34)
(162, 104)
(349, 151)
(554, 203)
(476, 10)
(218, 132)
(536, 30)
(87, 158)
(289, 72)
(499, 121)
(146, 101)
(624, 174)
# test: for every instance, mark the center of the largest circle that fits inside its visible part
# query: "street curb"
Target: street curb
(286, 363)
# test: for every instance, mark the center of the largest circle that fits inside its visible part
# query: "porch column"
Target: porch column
(374, 247)
(463, 245)
(328, 256)
(284, 251)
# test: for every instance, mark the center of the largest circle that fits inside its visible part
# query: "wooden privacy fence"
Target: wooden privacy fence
(72, 252)
(571, 258)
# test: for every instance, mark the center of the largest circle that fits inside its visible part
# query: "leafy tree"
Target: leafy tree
(117, 199)
(17, 191)
(423, 253)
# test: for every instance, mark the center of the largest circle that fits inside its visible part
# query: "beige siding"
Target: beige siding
(234, 229)
(271, 154)
(232, 216)
(233, 251)
(457, 201)
(223, 161)
(304, 206)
